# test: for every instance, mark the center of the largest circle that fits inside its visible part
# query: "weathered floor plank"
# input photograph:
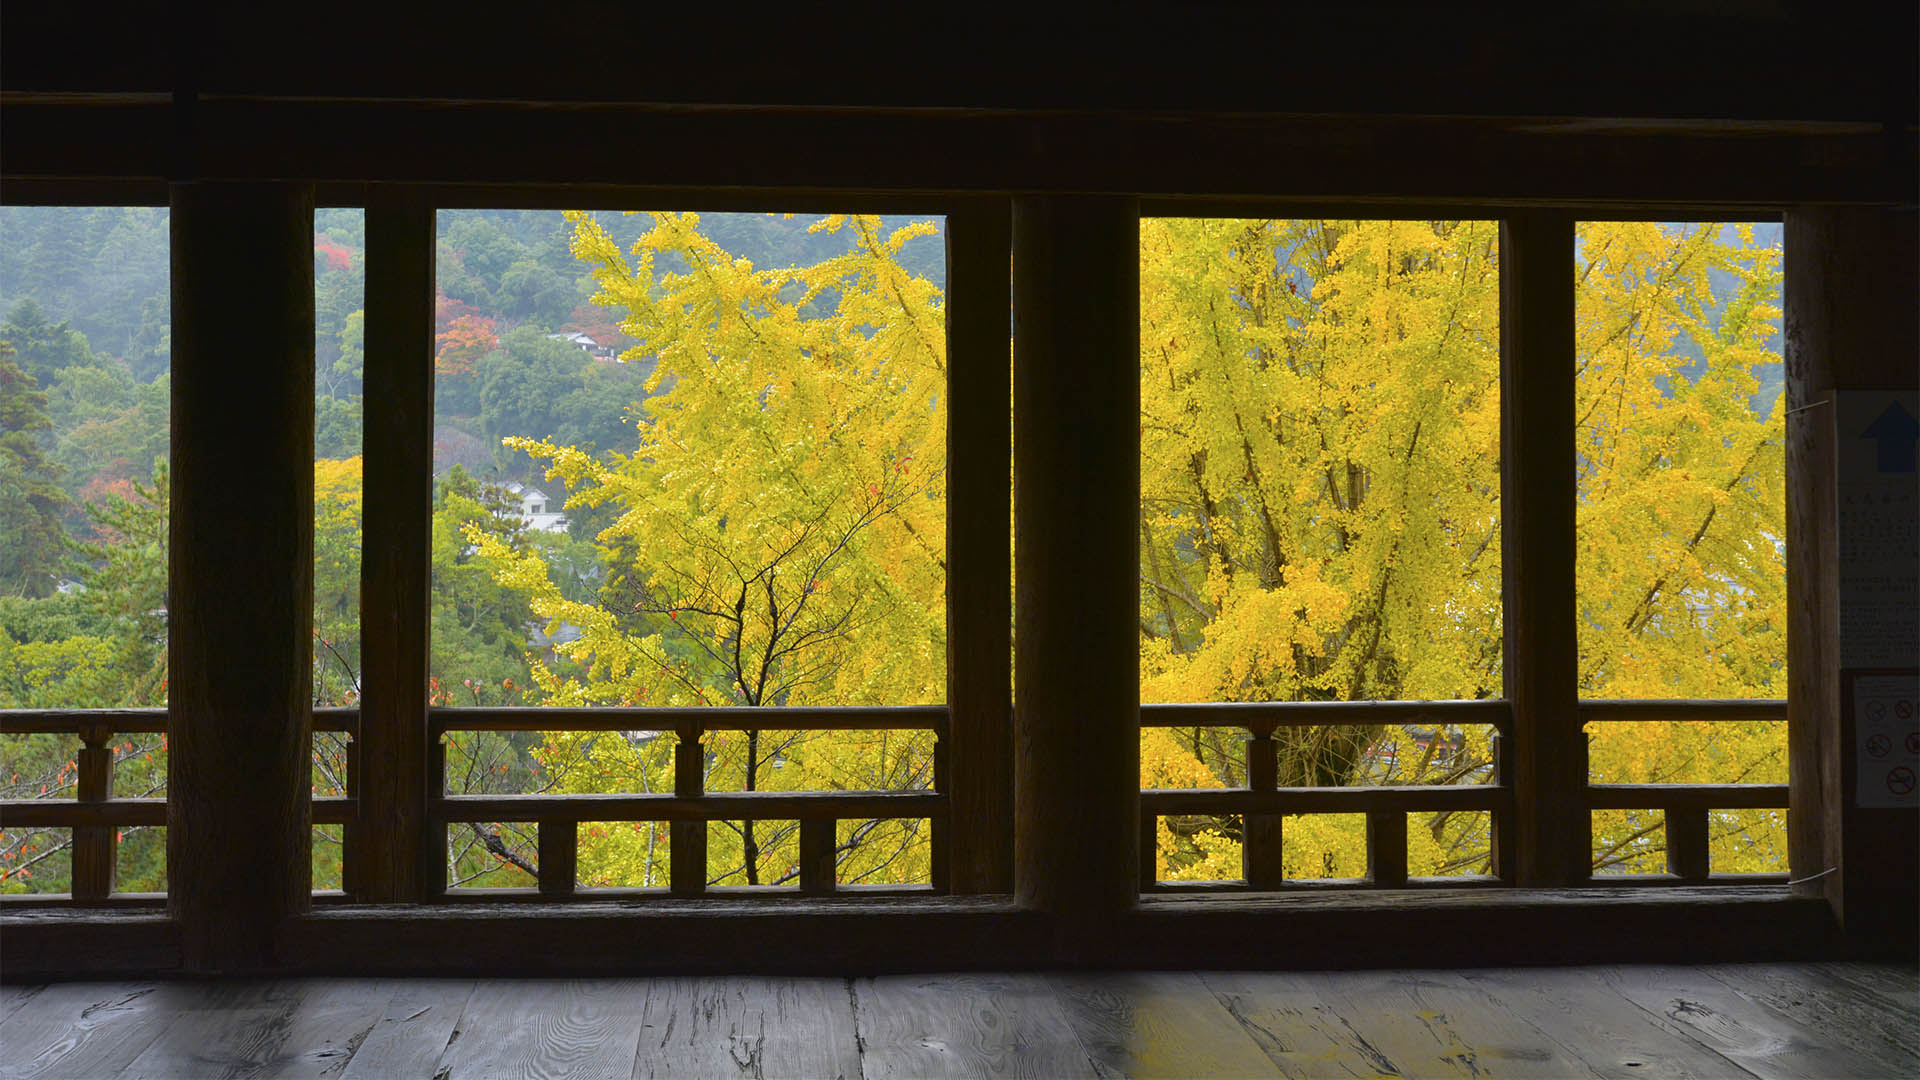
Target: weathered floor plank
(1690, 1002)
(1896, 984)
(1302, 1035)
(13, 996)
(1148, 1024)
(1825, 1004)
(965, 1025)
(1417, 1025)
(263, 1028)
(81, 1029)
(1610, 1034)
(521, 1029)
(412, 1035)
(757, 1027)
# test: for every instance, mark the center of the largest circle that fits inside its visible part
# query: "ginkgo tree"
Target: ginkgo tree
(1320, 514)
(778, 539)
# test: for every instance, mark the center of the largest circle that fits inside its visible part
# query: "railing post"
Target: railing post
(433, 852)
(93, 845)
(979, 686)
(940, 828)
(687, 840)
(1687, 857)
(816, 856)
(353, 835)
(559, 855)
(240, 571)
(1387, 848)
(1076, 289)
(1537, 548)
(1260, 857)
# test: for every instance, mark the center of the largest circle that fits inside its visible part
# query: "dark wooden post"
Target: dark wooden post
(1850, 287)
(687, 840)
(979, 836)
(1077, 526)
(1687, 854)
(559, 842)
(1387, 848)
(816, 856)
(1260, 855)
(240, 588)
(397, 526)
(1549, 750)
(94, 860)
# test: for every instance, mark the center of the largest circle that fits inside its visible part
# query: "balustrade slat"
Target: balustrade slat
(816, 856)
(1387, 849)
(559, 855)
(93, 845)
(687, 840)
(1687, 843)
(1260, 855)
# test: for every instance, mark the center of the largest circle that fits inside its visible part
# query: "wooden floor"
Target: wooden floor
(1765, 1020)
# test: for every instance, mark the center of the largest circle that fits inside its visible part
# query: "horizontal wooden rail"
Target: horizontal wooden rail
(1724, 711)
(876, 718)
(151, 721)
(112, 813)
(1348, 800)
(1277, 714)
(1687, 796)
(77, 814)
(721, 806)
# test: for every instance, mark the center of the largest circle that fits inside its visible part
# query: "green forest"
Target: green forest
(699, 459)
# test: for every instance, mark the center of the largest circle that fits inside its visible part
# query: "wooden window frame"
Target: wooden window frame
(1535, 176)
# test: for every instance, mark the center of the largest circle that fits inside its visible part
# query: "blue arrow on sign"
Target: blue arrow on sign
(1896, 433)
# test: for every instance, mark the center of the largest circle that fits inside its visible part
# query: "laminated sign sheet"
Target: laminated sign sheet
(1886, 737)
(1879, 527)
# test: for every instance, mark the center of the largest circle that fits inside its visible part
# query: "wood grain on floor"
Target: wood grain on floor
(1730, 1020)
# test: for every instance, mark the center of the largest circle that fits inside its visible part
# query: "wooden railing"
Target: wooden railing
(1262, 802)
(96, 816)
(1685, 806)
(690, 806)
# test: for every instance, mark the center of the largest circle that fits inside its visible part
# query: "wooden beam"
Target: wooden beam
(1076, 294)
(396, 526)
(1537, 548)
(240, 594)
(1850, 287)
(761, 150)
(979, 562)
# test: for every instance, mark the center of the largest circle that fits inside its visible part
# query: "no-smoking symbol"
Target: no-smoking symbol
(1900, 780)
(1913, 742)
(1903, 709)
(1879, 745)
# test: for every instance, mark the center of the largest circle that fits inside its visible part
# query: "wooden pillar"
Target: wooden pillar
(979, 685)
(240, 588)
(1077, 524)
(1850, 288)
(1549, 751)
(397, 527)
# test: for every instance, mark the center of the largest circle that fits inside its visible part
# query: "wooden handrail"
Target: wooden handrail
(114, 813)
(716, 806)
(1687, 796)
(145, 721)
(1274, 714)
(1720, 710)
(1348, 800)
(701, 718)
